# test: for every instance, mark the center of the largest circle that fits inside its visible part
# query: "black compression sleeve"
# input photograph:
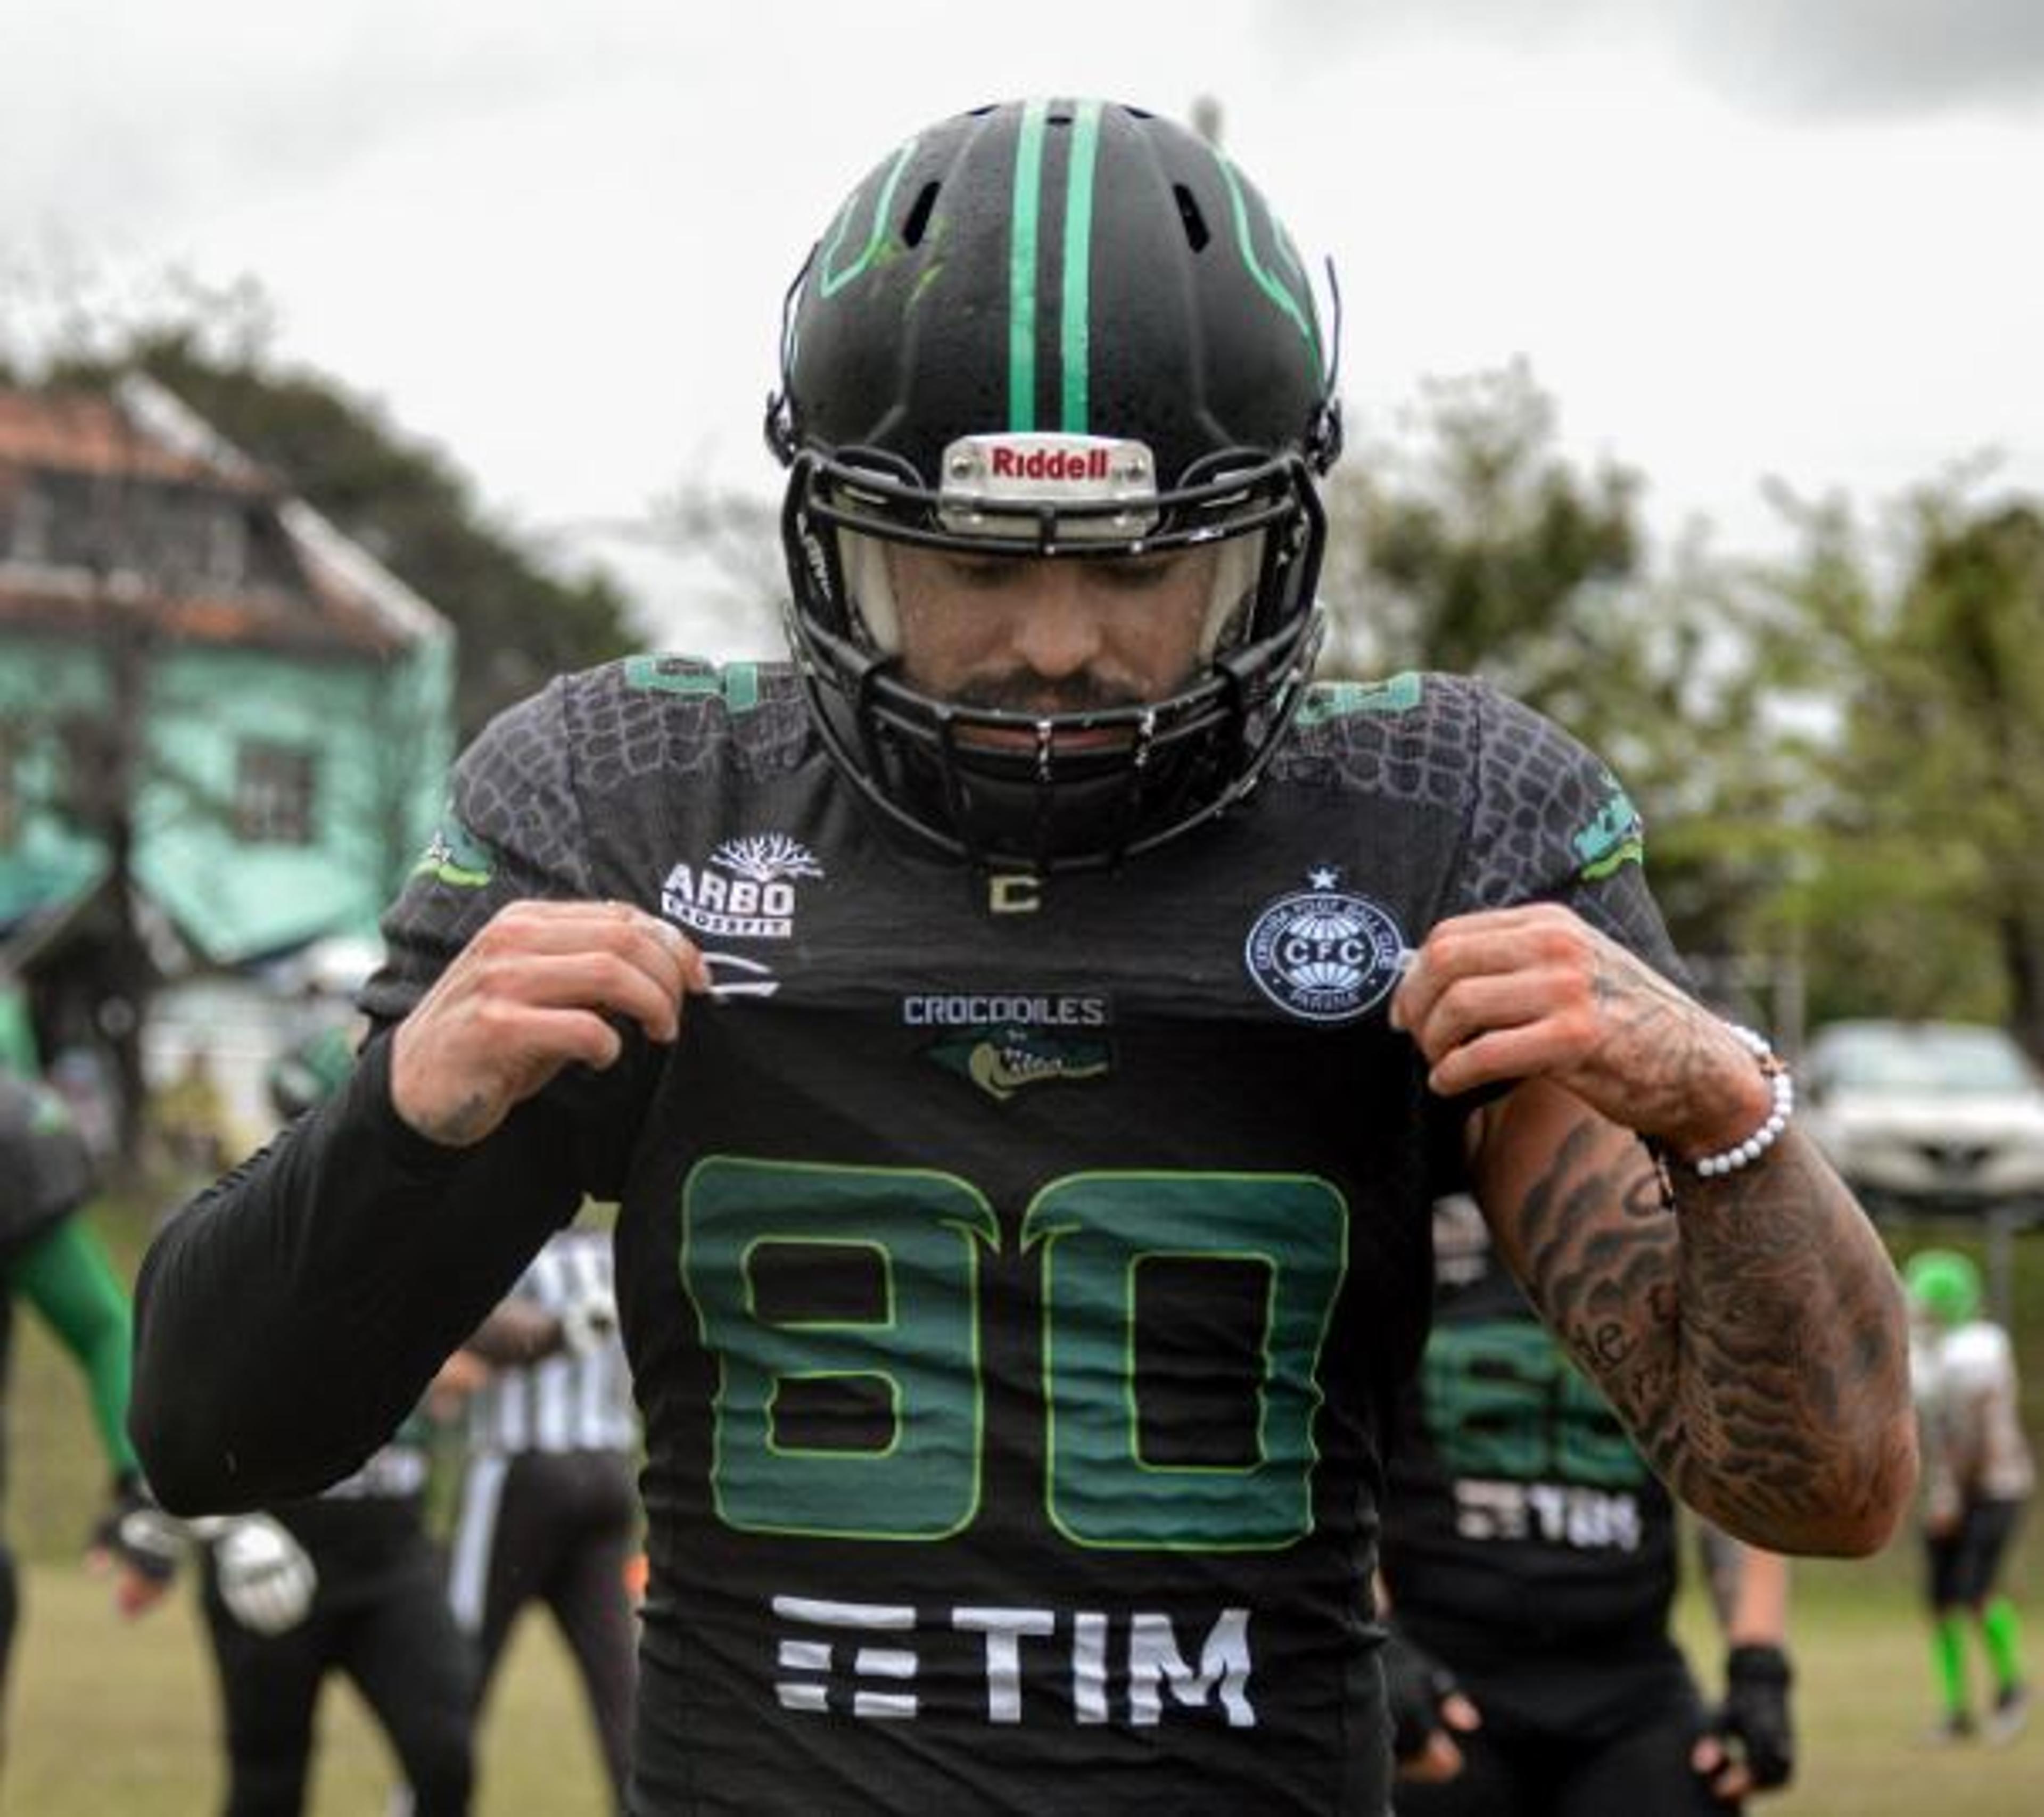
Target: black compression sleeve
(290, 1316)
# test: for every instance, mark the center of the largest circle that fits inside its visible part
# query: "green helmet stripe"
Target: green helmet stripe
(829, 281)
(1022, 268)
(1076, 325)
(1274, 288)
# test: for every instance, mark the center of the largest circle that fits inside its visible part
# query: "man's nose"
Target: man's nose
(1058, 630)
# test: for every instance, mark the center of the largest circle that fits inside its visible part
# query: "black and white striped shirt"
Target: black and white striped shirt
(567, 1401)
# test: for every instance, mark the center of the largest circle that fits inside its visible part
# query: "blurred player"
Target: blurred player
(50, 1261)
(549, 1512)
(1530, 1559)
(348, 1581)
(1978, 1475)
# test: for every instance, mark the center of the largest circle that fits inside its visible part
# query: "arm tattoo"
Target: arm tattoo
(468, 1122)
(1751, 1340)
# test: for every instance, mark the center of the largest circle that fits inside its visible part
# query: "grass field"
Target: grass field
(110, 1717)
(107, 1717)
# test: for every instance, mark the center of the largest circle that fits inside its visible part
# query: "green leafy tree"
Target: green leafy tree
(1470, 543)
(1928, 898)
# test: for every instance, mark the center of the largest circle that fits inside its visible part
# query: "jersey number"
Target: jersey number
(867, 1418)
(1503, 1400)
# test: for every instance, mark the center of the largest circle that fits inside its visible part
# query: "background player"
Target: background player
(350, 1582)
(50, 1260)
(548, 1510)
(1531, 1557)
(1978, 1476)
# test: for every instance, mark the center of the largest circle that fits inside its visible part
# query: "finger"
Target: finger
(136, 1595)
(1731, 1782)
(1475, 945)
(483, 993)
(1460, 1715)
(1502, 1055)
(528, 935)
(1728, 1775)
(1473, 1005)
(603, 980)
(1440, 1761)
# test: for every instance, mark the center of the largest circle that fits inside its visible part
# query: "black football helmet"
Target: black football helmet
(1067, 329)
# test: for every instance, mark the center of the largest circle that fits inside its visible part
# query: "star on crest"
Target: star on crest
(1325, 877)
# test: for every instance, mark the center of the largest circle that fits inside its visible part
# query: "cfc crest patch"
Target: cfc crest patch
(1324, 953)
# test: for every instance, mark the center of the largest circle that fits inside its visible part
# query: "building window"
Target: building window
(273, 794)
(28, 536)
(226, 547)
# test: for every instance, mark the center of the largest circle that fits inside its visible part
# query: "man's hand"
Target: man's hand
(534, 991)
(1428, 1710)
(264, 1576)
(1754, 1715)
(1535, 992)
(137, 1544)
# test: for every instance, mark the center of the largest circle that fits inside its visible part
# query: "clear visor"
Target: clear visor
(870, 587)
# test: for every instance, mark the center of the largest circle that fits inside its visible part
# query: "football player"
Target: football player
(1017, 1033)
(1978, 1477)
(1530, 1559)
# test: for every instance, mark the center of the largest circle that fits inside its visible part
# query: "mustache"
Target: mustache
(1023, 691)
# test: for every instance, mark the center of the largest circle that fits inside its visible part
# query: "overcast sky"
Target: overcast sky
(1733, 238)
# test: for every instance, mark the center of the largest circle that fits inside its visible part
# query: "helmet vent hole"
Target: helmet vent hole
(919, 216)
(1196, 232)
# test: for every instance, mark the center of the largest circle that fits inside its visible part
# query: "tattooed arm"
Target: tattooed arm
(1753, 1338)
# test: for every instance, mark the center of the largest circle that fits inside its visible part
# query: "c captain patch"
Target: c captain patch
(1324, 953)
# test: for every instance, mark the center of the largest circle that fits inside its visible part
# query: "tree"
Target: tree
(1929, 891)
(1472, 544)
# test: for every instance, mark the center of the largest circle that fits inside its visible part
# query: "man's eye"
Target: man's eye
(1137, 575)
(982, 573)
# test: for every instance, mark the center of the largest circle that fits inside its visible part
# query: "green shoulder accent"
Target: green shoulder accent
(738, 682)
(1341, 700)
(1615, 837)
(456, 855)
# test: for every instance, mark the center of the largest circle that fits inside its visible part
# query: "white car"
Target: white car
(1928, 1116)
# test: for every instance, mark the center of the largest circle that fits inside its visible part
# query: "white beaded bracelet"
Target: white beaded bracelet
(1783, 1086)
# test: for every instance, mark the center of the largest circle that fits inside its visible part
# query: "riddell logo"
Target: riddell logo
(1046, 463)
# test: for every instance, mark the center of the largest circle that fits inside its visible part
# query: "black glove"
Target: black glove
(1755, 1712)
(1416, 1685)
(138, 1535)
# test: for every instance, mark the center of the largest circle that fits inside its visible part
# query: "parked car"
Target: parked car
(1924, 1117)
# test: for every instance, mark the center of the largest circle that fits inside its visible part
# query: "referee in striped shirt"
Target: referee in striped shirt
(549, 1510)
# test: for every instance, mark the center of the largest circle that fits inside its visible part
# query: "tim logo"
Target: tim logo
(746, 891)
(1323, 954)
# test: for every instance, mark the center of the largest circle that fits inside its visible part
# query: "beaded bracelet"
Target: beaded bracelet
(1783, 1086)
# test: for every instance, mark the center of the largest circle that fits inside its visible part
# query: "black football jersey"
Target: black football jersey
(1017, 1276)
(1524, 1527)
